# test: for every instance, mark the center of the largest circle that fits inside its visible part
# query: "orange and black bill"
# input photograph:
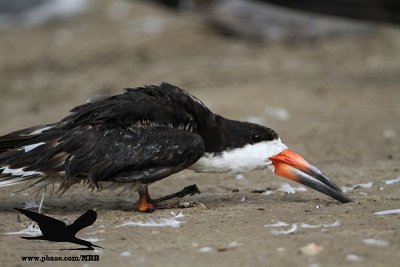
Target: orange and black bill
(294, 167)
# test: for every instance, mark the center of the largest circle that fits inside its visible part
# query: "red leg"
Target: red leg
(143, 204)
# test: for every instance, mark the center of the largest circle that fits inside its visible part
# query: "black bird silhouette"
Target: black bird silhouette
(57, 231)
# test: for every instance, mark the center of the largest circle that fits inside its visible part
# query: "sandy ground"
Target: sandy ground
(342, 98)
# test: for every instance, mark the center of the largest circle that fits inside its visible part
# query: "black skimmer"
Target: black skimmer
(57, 231)
(144, 135)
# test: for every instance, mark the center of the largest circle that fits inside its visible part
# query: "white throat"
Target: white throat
(244, 159)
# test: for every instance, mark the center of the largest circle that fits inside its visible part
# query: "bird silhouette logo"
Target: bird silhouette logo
(55, 230)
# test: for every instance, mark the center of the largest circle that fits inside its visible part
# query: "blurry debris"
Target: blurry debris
(353, 257)
(318, 206)
(292, 230)
(231, 245)
(243, 199)
(205, 249)
(152, 25)
(32, 230)
(277, 224)
(184, 204)
(163, 222)
(266, 192)
(346, 189)
(34, 12)
(381, 188)
(311, 249)
(388, 212)
(374, 10)
(18, 219)
(239, 177)
(375, 242)
(280, 114)
(287, 188)
(235, 190)
(389, 134)
(281, 249)
(125, 254)
(392, 181)
(314, 265)
(267, 22)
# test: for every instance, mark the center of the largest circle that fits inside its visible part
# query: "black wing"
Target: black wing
(87, 219)
(137, 154)
(105, 138)
(47, 225)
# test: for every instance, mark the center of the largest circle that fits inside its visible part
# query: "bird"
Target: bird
(143, 135)
(57, 231)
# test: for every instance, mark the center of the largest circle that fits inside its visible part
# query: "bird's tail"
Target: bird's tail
(30, 153)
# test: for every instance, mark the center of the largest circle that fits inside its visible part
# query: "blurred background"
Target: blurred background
(324, 74)
(270, 62)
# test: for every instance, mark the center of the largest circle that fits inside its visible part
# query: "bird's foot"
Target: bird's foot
(143, 205)
(188, 190)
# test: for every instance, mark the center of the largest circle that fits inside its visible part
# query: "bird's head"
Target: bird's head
(253, 146)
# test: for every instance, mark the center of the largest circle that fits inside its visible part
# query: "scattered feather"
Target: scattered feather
(267, 193)
(277, 224)
(292, 230)
(233, 244)
(281, 249)
(125, 254)
(375, 242)
(389, 134)
(346, 189)
(353, 257)
(311, 249)
(205, 249)
(305, 225)
(163, 222)
(94, 239)
(388, 212)
(31, 230)
(392, 181)
(239, 177)
(287, 188)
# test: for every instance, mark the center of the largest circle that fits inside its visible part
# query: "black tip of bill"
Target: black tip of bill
(325, 186)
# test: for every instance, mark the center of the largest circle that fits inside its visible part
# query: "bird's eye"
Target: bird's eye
(256, 138)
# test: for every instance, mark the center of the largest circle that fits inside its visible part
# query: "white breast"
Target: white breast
(244, 159)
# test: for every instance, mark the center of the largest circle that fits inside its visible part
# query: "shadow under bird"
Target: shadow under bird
(144, 135)
(57, 231)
